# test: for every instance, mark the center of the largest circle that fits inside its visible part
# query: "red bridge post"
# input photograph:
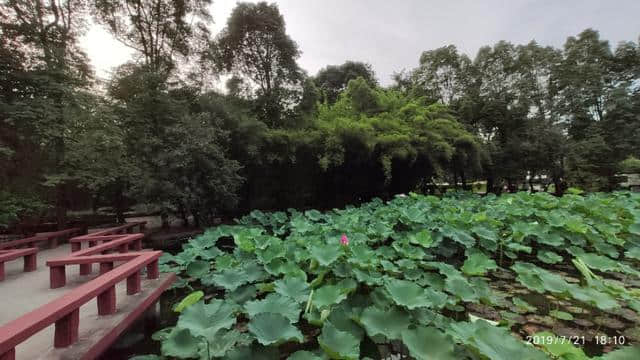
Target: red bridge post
(57, 276)
(107, 301)
(67, 327)
(133, 283)
(9, 355)
(30, 262)
(106, 266)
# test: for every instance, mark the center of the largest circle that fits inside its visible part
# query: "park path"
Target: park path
(22, 292)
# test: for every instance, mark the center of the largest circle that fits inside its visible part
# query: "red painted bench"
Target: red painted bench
(121, 243)
(29, 255)
(65, 311)
(51, 237)
(128, 227)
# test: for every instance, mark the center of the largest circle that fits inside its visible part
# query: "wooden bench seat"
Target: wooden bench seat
(57, 272)
(120, 243)
(29, 255)
(51, 237)
(64, 311)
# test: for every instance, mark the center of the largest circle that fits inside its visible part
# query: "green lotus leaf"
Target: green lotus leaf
(328, 295)
(243, 294)
(411, 296)
(340, 318)
(224, 262)
(229, 279)
(478, 264)
(422, 238)
(427, 343)
(273, 329)
(146, 357)
(304, 355)
(561, 315)
(523, 306)
(181, 344)
(389, 323)
(559, 347)
(633, 253)
(325, 255)
(602, 301)
(188, 300)
(552, 239)
(549, 257)
(338, 344)
(254, 271)
(244, 238)
(599, 262)
(458, 235)
(458, 286)
(223, 341)
(198, 268)
(274, 248)
(494, 342)
(485, 233)
(313, 215)
(301, 225)
(206, 319)
(293, 287)
(276, 304)
(519, 247)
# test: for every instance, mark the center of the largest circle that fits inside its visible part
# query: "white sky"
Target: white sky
(391, 34)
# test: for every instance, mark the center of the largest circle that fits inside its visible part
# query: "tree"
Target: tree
(582, 81)
(440, 75)
(162, 32)
(333, 79)
(56, 73)
(179, 151)
(255, 45)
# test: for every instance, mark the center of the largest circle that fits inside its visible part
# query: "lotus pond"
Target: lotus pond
(520, 276)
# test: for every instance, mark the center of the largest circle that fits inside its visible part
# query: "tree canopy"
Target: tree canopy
(155, 133)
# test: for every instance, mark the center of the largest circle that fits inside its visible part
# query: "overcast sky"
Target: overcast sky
(391, 34)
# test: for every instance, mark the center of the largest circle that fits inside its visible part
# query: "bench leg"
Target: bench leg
(152, 270)
(57, 276)
(123, 248)
(9, 355)
(54, 242)
(67, 327)
(76, 246)
(30, 263)
(86, 269)
(133, 283)
(92, 243)
(137, 245)
(105, 266)
(1, 271)
(107, 301)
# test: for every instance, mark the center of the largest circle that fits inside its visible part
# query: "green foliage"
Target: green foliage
(393, 282)
(630, 165)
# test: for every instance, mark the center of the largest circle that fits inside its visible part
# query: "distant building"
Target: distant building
(629, 181)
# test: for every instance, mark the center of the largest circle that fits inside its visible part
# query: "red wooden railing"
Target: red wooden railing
(51, 237)
(128, 227)
(120, 243)
(64, 312)
(29, 255)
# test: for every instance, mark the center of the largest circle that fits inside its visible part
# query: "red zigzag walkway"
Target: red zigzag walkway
(45, 313)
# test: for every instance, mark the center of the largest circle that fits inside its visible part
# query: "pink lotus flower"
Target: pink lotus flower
(344, 240)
